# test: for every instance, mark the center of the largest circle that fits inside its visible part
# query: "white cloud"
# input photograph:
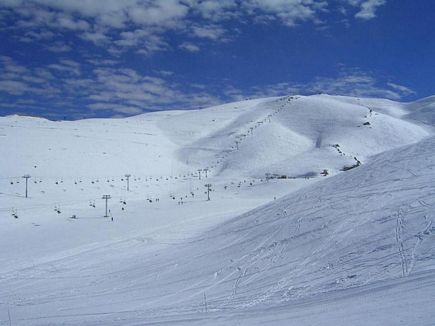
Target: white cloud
(146, 40)
(41, 35)
(142, 25)
(217, 10)
(128, 88)
(190, 47)
(366, 8)
(401, 89)
(126, 91)
(17, 80)
(66, 66)
(104, 87)
(165, 73)
(289, 12)
(213, 32)
(355, 83)
(59, 47)
(97, 37)
(13, 87)
(161, 13)
(67, 22)
(109, 22)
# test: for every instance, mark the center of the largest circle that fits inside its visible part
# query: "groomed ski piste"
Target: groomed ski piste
(321, 212)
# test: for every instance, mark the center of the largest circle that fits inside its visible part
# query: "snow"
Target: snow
(353, 247)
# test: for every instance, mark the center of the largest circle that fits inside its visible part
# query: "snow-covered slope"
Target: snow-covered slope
(260, 251)
(249, 138)
(422, 110)
(313, 133)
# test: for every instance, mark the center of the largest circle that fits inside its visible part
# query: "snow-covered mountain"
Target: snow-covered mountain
(321, 212)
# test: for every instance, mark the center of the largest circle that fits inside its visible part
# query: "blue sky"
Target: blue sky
(91, 58)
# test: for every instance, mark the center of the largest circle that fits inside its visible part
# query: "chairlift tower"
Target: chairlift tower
(27, 177)
(106, 197)
(208, 185)
(127, 176)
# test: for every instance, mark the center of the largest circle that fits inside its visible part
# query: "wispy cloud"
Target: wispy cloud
(289, 12)
(349, 82)
(190, 47)
(66, 66)
(102, 87)
(59, 47)
(16, 79)
(213, 32)
(113, 28)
